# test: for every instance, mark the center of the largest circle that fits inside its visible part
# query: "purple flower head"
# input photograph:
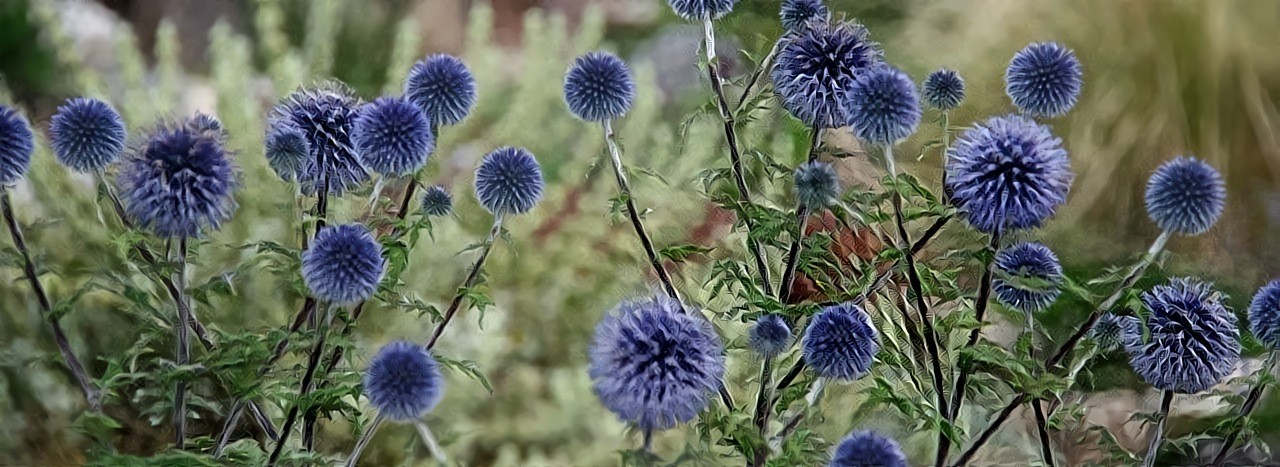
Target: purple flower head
(868, 449)
(944, 89)
(403, 381)
(1115, 331)
(17, 142)
(599, 87)
(1044, 79)
(699, 10)
(436, 201)
(178, 181)
(1186, 196)
(841, 342)
(287, 150)
(883, 106)
(343, 265)
(769, 336)
(443, 87)
(817, 66)
(509, 181)
(327, 116)
(796, 14)
(817, 185)
(87, 134)
(1264, 315)
(393, 136)
(1029, 277)
(1194, 341)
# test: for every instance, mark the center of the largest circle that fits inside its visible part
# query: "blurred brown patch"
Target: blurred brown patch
(850, 246)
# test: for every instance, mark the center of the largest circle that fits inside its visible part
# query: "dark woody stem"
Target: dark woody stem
(467, 284)
(624, 187)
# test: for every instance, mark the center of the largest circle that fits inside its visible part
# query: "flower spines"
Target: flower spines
(17, 143)
(1186, 196)
(1044, 79)
(1115, 331)
(287, 149)
(769, 336)
(943, 89)
(509, 181)
(599, 87)
(883, 106)
(817, 66)
(403, 381)
(436, 201)
(393, 136)
(796, 14)
(178, 181)
(443, 87)
(1029, 277)
(816, 185)
(698, 10)
(1264, 315)
(343, 265)
(87, 134)
(841, 342)
(327, 116)
(867, 448)
(1194, 343)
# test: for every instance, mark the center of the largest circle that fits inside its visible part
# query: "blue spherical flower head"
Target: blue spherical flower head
(817, 66)
(178, 181)
(203, 122)
(436, 201)
(16, 145)
(867, 448)
(699, 10)
(944, 89)
(817, 185)
(86, 134)
(509, 181)
(654, 365)
(343, 265)
(599, 87)
(796, 14)
(327, 116)
(883, 106)
(1044, 79)
(287, 150)
(1008, 173)
(841, 342)
(1114, 331)
(443, 87)
(1186, 196)
(769, 336)
(1194, 341)
(403, 381)
(1264, 315)
(393, 136)
(1029, 277)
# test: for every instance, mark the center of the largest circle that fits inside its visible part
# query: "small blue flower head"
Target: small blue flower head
(1009, 173)
(509, 181)
(178, 181)
(86, 134)
(443, 87)
(1044, 79)
(1186, 196)
(327, 116)
(393, 136)
(884, 106)
(287, 150)
(343, 265)
(403, 381)
(867, 449)
(817, 185)
(1264, 315)
(699, 10)
(944, 89)
(1194, 341)
(599, 87)
(796, 14)
(436, 201)
(1114, 331)
(841, 342)
(1028, 277)
(16, 145)
(203, 122)
(654, 365)
(769, 336)
(817, 66)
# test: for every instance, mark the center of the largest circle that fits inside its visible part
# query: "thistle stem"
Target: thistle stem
(424, 432)
(1042, 427)
(763, 411)
(1154, 448)
(980, 309)
(468, 283)
(184, 345)
(802, 220)
(755, 76)
(647, 445)
(810, 400)
(1250, 402)
(619, 172)
(946, 146)
(363, 443)
(308, 377)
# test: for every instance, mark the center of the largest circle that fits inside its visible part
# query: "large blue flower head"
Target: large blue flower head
(343, 265)
(654, 365)
(86, 134)
(393, 136)
(509, 181)
(599, 87)
(699, 10)
(1186, 196)
(817, 185)
(287, 150)
(1008, 173)
(327, 116)
(841, 342)
(1029, 277)
(1044, 79)
(817, 66)
(16, 145)
(944, 89)
(1194, 341)
(1264, 315)
(884, 106)
(796, 14)
(178, 181)
(1114, 331)
(867, 448)
(436, 201)
(403, 381)
(443, 87)
(769, 336)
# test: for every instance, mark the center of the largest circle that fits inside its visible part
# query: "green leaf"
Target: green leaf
(468, 368)
(679, 253)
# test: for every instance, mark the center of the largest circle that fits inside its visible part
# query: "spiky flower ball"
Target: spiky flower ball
(1114, 331)
(769, 336)
(817, 66)
(509, 181)
(1044, 79)
(393, 136)
(865, 448)
(178, 181)
(204, 122)
(883, 105)
(817, 185)
(287, 150)
(1029, 277)
(436, 201)
(699, 10)
(343, 265)
(1008, 173)
(403, 381)
(841, 342)
(86, 134)
(1264, 315)
(1186, 196)
(443, 87)
(599, 87)
(944, 89)
(797, 14)
(1194, 343)
(16, 145)
(327, 116)
(654, 365)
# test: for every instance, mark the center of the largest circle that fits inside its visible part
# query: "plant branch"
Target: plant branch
(1250, 402)
(1042, 427)
(363, 443)
(1166, 402)
(470, 282)
(184, 346)
(980, 309)
(624, 187)
(308, 377)
(762, 412)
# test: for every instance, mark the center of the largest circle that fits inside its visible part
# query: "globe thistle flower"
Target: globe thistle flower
(944, 89)
(443, 87)
(867, 448)
(654, 365)
(599, 87)
(1115, 331)
(796, 14)
(178, 181)
(1044, 79)
(16, 145)
(287, 150)
(841, 342)
(817, 66)
(509, 181)
(700, 10)
(436, 201)
(86, 134)
(1264, 315)
(327, 116)
(883, 106)
(769, 336)
(1029, 277)
(393, 136)
(202, 122)
(403, 381)
(343, 265)
(816, 185)
(1008, 173)
(1193, 342)
(1186, 196)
